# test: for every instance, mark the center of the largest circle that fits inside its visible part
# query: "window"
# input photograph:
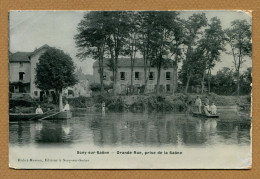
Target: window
(35, 93)
(168, 75)
(137, 76)
(122, 75)
(21, 75)
(21, 64)
(151, 76)
(168, 88)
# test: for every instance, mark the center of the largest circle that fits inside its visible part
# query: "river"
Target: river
(132, 129)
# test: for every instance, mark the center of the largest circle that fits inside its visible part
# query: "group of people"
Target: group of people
(208, 109)
(39, 109)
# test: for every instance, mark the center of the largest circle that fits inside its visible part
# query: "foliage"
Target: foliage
(239, 38)
(224, 82)
(97, 87)
(55, 70)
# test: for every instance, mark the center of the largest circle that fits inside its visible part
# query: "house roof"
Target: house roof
(38, 49)
(122, 62)
(19, 57)
(24, 56)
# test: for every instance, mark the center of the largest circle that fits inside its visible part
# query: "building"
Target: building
(22, 72)
(168, 81)
(82, 87)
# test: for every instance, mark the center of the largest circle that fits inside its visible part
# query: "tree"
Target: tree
(212, 43)
(223, 82)
(165, 28)
(91, 39)
(55, 70)
(193, 28)
(132, 41)
(117, 28)
(239, 38)
(144, 45)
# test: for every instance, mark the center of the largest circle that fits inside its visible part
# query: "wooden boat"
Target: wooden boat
(197, 114)
(23, 116)
(33, 116)
(59, 115)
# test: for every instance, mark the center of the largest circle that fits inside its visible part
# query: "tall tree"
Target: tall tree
(193, 28)
(144, 45)
(132, 41)
(165, 28)
(239, 38)
(211, 43)
(91, 39)
(118, 31)
(55, 70)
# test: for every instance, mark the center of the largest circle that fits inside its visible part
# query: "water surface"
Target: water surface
(132, 129)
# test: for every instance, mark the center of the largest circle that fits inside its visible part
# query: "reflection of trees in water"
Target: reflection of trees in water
(234, 131)
(58, 131)
(146, 130)
(20, 133)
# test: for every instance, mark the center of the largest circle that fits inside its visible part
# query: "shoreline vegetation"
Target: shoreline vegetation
(135, 103)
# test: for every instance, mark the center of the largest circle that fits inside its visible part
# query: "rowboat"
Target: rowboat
(197, 114)
(23, 116)
(33, 116)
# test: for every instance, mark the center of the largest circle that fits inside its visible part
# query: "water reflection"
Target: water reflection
(153, 129)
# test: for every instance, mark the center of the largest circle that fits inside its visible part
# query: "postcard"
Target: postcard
(130, 89)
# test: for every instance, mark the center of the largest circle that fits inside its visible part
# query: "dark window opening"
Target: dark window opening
(21, 75)
(168, 75)
(137, 76)
(21, 64)
(35, 93)
(168, 87)
(151, 76)
(122, 75)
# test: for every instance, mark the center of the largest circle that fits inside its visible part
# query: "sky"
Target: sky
(29, 30)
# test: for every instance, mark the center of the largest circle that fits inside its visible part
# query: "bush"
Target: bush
(96, 87)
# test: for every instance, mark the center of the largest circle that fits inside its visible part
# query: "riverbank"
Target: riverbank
(178, 103)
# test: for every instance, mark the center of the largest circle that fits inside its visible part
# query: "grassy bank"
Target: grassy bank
(178, 103)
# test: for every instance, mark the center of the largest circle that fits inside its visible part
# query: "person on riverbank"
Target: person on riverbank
(103, 107)
(198, 104)
(213, 109)
(66, 107)
(207, 100)
(39, 110)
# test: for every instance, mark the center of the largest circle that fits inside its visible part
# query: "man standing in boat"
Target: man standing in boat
(198, 104)
(66, 107)
(39, 110)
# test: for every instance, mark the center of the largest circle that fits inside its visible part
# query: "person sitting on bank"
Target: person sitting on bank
(66, 107)
(213, 109)
(39, 110)
(198, 104)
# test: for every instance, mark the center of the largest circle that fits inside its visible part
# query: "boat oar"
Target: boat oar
(50, 115)
(40, 115)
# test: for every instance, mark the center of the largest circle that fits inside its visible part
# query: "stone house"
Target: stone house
(22, 72)
(167, 80)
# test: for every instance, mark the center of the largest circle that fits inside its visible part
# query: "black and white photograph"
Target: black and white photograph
(130, 89)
